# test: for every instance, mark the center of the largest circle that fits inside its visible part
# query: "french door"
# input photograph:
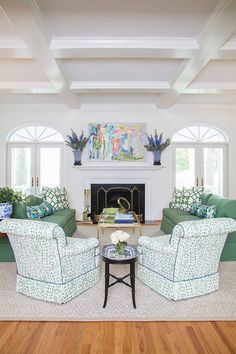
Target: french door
(201, 165)
(32, 166)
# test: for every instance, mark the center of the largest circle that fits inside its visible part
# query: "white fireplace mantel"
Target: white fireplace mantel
(118, 168)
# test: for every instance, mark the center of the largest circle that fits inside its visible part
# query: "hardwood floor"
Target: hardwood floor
(117, 337)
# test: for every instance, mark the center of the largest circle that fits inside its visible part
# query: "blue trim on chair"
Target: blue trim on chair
(176, 255)
(173, 232)
(178, 281)
(59, 259)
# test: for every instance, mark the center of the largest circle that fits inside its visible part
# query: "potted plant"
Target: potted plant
(7, 197)
(77, 144)
(156, 145)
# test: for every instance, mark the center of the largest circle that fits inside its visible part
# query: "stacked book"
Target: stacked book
(124, 218)
(108, 215)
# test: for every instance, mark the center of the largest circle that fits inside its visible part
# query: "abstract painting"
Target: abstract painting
(117, 141)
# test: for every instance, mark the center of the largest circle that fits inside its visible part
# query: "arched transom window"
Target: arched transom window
(36, 134)
(199, 134)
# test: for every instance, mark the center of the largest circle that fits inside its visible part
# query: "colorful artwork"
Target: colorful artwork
(122, 142)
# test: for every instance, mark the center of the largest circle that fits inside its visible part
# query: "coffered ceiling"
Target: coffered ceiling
(76, 51)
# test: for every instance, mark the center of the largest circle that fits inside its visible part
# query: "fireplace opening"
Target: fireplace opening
(107, 196)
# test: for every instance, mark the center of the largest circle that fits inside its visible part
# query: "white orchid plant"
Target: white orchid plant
(119, 239)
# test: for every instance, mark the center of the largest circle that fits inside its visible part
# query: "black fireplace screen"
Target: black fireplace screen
(107, 195)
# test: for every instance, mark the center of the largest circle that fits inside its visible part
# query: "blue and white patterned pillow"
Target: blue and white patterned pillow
(48, 210)
(194, 208)
(203, 211)
(35, 212)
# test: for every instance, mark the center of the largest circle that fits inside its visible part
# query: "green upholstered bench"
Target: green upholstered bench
(224, 208)
(64, 218)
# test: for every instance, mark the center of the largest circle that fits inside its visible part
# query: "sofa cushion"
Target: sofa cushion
(224, 207)
(19, 208)
(61, 217)
(177, 216)
(205, 198)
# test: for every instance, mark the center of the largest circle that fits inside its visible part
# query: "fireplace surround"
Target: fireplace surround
(107, 195)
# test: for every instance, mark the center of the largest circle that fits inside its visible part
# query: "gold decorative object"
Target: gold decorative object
(87, 203)
(122, 208)
(130, 205)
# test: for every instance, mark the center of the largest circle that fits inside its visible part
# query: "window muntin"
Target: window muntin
(199, 134)
(38, 134)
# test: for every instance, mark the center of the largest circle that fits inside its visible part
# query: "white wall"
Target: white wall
(168, 121)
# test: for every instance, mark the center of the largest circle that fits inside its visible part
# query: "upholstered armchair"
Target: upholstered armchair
(186, 263)
(50, 266)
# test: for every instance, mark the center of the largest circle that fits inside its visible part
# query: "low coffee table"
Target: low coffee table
(110, 257)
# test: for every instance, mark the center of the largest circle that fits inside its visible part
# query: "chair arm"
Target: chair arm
(77, 246)
(159, 244)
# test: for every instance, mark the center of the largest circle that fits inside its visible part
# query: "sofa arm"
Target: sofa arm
(77, 246)
(158, 244)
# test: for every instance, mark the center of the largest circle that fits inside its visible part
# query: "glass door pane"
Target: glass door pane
(21, 169)
(213, 169)
(49, 167)
(185, 167)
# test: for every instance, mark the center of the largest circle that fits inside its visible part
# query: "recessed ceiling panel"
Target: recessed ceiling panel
(126, 17)
(20, 70)
(218, 71)
(121, 70)
(225, 98)
(6, 27)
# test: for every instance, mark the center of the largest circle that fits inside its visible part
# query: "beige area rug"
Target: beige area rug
(151, 306)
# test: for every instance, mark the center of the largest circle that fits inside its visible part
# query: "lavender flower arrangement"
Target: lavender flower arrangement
(156, 143)
(77, 143)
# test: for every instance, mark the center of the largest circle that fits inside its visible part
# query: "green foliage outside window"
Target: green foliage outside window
(182, 160)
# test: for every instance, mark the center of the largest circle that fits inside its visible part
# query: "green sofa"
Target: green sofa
(64, 218)
(224, 208)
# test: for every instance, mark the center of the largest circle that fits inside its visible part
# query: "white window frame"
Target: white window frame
(35, 148)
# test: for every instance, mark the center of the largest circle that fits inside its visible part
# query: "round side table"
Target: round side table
(109, 256)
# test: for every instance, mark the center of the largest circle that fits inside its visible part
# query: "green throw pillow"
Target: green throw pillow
(56, 197)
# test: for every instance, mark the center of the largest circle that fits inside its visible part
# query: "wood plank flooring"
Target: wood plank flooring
(117, 337)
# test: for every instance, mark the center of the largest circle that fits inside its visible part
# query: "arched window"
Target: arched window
(36, 134)
(199, 134)
(200, 158)
(34, 158)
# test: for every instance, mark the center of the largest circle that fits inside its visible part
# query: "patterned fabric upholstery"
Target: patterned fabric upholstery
(184, 264)
(50, 266)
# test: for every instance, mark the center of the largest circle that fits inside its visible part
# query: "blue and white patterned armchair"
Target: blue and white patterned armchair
(50, 266)
(186, 263)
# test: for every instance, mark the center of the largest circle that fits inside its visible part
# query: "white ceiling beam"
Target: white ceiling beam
(29, 24)
(120, 87)
(13, 48)
(118, 47)
(220, 26)
(44, 87)
(137, 47)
